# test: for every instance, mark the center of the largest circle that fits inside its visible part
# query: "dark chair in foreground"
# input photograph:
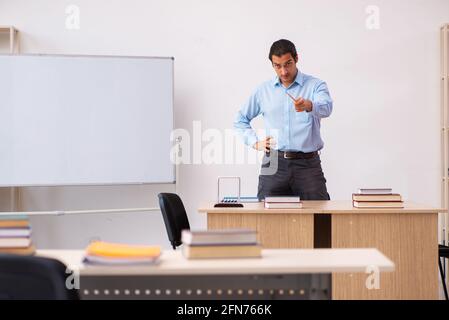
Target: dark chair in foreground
(33, 278)
(443, 252)
(175, 216)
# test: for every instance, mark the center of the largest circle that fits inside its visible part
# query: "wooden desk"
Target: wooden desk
(408, 236)
(279, 274)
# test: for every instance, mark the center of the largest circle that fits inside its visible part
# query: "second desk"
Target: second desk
(408, 236)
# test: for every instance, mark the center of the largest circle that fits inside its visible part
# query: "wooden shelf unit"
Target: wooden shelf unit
(14, 48)
(444, 217)
(13, 38)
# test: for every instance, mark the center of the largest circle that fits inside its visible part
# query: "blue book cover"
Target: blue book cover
(13, 217)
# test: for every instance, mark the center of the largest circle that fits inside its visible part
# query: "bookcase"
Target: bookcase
(444, 218)
(12, 34)
(445, 127)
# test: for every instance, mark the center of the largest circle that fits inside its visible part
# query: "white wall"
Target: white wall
(385, 84)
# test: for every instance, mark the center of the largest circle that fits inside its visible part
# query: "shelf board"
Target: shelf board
(4, 29)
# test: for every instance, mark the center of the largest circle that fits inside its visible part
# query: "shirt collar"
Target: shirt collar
(299, 79)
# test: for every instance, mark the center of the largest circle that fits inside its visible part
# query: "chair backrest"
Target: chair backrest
(33, 278)
(443, 251)
(175, 216)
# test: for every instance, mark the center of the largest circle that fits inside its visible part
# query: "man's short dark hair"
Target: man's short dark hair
(281, 47)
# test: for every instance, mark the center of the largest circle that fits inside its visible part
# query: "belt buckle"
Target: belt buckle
(285, 156)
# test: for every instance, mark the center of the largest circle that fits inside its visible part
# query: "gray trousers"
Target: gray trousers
(303, 177)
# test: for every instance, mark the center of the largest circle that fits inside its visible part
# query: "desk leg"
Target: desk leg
(409, 240)
(273, 230)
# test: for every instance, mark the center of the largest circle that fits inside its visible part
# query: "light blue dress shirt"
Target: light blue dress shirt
(292, 130)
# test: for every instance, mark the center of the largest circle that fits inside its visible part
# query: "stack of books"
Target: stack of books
(107, 253)
(224, 243)
(283, 202)
(377, 198)
(15, 235)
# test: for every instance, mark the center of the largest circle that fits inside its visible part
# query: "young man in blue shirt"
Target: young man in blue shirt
(292, 105)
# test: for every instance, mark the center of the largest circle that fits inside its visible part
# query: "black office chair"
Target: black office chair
(33, 278)
(443, 252)
(175, 217)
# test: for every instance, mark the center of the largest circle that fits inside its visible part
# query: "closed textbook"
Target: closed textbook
(377, 197)
(375, 190)
(15, 232)
(96, 260)
(282, 199)
(12, 217)
(378, 204)
(233, 251)
(15, 242)
(283, 205)
(23, 251)
(219, 236)
(14, 223)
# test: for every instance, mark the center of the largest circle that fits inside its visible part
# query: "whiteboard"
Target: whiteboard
(74, 120)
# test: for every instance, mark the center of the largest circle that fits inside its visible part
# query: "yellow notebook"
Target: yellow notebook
(118, 250)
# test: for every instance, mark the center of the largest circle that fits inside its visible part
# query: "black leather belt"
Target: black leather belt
(297, 154)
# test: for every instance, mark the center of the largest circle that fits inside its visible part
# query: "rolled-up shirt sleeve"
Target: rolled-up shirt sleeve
(322, 101)
(250, 110)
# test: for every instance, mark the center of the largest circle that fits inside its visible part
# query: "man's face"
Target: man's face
(285, 67)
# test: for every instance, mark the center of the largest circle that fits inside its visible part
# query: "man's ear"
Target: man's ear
(296, 58)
